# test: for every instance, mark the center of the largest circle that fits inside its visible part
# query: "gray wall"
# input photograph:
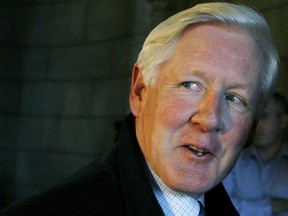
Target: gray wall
(65, 77)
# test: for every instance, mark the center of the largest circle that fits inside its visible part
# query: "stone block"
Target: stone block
(9, 131)
(67, 98)
(29, 133)
(46, 24)
(34, 63)
(40, 169)
(109, 19)
(7, 14)
(142, 22)
(111, 97)
(279, 28)
(283, 78)
(28, 63)
(90, 136)
(37, 133)
(122, 58)
(81, 62)
(7, 192)
(264, 4)
(138, 43)
(9, 97)
(8, 162)
(23, 191)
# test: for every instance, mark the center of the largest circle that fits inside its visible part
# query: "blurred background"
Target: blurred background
(65, 70)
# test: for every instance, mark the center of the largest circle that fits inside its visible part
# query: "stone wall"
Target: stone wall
(65, 76)
(64, 83)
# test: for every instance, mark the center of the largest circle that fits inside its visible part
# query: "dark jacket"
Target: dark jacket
(115, 185)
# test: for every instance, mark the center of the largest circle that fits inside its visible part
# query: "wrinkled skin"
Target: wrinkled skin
(204, 98)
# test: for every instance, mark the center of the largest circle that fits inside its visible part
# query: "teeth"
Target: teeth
(197, 151)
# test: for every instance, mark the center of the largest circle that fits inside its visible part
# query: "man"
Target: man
(258, 182)
(198, 86)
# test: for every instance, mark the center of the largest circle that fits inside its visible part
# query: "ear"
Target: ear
(137, 86)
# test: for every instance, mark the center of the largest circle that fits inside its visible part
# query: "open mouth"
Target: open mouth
(198, 152)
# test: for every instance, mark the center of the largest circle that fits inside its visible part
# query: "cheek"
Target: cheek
(174, 111)
(235, 140)
(233, 144)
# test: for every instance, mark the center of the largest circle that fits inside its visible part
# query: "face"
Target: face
(270, 127)
(192, 125)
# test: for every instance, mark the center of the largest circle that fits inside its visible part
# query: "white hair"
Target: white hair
(160, 44)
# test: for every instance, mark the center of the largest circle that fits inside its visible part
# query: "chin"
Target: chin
(191, 185)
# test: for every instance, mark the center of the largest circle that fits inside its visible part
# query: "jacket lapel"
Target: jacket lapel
(137, 191)
(217, 202)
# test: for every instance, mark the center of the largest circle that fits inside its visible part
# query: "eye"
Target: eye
(192, 85)
(235, 100)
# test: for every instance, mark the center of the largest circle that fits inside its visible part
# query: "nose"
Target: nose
(210, 113)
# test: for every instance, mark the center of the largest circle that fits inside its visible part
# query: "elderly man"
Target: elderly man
(198, 87)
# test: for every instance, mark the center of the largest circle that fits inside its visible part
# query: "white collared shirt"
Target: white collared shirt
(173, 203)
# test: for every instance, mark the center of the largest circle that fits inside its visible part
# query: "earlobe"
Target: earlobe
(137, 86)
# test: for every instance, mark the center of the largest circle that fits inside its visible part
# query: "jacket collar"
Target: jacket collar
(138, 193)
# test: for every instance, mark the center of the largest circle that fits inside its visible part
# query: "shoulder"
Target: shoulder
(87, 192)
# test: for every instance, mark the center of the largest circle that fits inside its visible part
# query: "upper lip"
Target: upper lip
(204, 143)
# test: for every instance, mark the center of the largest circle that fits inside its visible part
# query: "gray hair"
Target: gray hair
(160, 44)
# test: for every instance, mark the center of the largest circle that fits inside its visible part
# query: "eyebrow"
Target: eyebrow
(197, 72)
(204, 75)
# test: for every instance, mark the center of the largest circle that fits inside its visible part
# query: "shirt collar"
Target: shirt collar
(171, 201)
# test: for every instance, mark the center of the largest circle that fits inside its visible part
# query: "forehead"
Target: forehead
(213, 43)
(219, 48)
